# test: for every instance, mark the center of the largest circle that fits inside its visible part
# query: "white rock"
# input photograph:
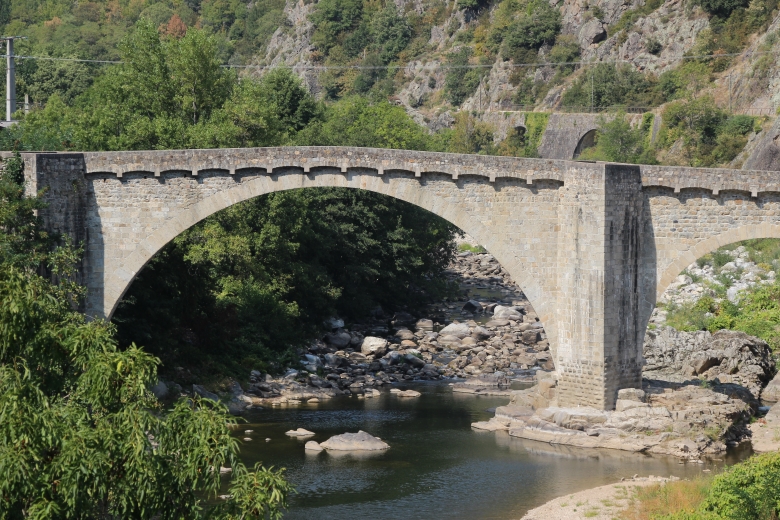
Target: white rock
(300, 432)
(459, 330)
(312, 446)
(373, 345)
(360, 441)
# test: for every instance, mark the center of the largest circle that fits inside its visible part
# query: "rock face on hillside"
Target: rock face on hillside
(730, 356)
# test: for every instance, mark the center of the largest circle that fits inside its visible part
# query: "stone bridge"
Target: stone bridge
(591, 244)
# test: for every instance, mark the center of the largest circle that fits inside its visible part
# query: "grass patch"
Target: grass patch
(474, 249)
(657, 501)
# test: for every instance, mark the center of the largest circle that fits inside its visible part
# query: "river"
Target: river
(437, 466)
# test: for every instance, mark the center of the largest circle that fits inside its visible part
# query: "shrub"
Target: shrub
(723, 8)
(539, 24)
(460, 81)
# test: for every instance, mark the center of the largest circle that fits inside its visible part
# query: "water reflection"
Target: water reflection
(436, 467)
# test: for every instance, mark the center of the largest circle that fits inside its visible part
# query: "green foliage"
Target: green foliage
(471, 136)
(722, 8)
(606, 85)
(355, 121)
(745, 491)
(332, 18)
(81, 436)
(460, 81)
(537, 24)
(473, 249)
(390, 32)
(169, 93)
(618, 141)
(708, 134)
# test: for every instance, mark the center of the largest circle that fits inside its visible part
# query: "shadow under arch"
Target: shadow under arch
(687, 257)
(588, 140)
(402, 187)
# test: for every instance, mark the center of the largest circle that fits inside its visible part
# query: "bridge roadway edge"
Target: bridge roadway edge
(611, 281)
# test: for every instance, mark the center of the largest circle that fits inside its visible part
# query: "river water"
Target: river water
(437, 466)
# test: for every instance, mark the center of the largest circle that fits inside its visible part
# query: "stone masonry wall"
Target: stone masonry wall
(590, 244)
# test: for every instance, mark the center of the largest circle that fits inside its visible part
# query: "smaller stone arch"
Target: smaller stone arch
(687, 257)
(586, 141)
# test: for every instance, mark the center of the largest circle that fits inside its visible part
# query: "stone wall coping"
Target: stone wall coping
(384, 160)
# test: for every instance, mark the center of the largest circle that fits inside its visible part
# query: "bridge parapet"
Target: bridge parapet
(711, 179)
(310, 158)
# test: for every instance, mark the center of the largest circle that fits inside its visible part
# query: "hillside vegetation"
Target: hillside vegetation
(446, 63)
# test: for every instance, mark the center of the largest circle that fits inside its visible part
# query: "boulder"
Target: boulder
(300, 432)
(727, 355)
(414, 360)
(338, 339)
(403, 318)
(472, 306)
(160, 390)
(334, 323)
(360, 441)
(373, 345)
(424, 324)
(772, 391)
(506, 313)
(312, 446)
(459, 330)
(205, 393)
(408, 393)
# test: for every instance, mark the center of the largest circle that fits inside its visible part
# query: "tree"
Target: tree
(355, 121)
(391, 32)
(618, 141)
(539, 24)
(81, 436)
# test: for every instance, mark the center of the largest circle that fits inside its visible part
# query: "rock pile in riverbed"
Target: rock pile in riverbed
(728, 356)
(684, 420)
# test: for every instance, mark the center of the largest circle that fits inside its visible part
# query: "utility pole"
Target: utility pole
(10, 77)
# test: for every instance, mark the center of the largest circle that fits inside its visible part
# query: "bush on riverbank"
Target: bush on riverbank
(746, 491)
(81, 435)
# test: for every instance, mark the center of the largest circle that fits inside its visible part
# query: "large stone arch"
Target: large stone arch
(402, 187)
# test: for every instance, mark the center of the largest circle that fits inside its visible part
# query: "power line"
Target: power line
(426, 66)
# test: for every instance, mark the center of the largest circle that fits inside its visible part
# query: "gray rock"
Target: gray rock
(160, 390)
(772, 391)
(338, 339)
(198, 389)
(459, 330)
(373, 346)
(334, 323)
(730, 356)
(311, 359)
(424, 324)
(235, 389)
(592, 32)
(472, 306)
(360, 441)
(414, 360)
(506, 313)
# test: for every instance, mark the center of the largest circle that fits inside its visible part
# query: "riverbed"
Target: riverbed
(437, 466)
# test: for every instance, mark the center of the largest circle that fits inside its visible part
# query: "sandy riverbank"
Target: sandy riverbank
(601, 503)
